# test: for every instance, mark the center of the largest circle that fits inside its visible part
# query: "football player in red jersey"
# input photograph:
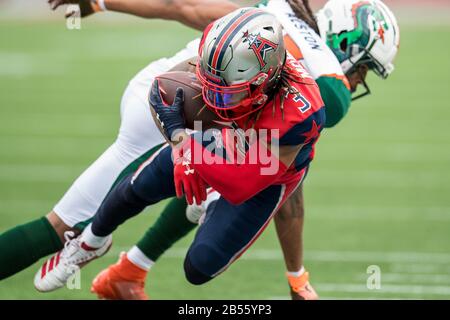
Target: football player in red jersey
(249, 79)
(336, 78)
(73, 209)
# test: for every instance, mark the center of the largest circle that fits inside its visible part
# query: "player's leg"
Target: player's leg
(125, 280)
(151, 183)
(228, 230)
(289, 225)
(170, 226)
(39, 238)
(23, 245)
(43, 236)
(174, 223)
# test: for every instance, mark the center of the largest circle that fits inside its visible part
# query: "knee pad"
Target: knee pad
(192, 274)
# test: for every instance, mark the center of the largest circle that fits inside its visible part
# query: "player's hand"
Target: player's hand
(170, 117)
(187, 180)
(87, 7)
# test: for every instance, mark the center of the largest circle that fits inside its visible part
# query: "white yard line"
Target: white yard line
(429, 279)
(39, 173)
(385, 288)
(346, 298)
(323, 178)
(60, 173)
(330, 256)
(410, 268)
(378, 257)
(380, 212)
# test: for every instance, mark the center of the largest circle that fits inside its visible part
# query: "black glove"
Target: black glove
(170, 117)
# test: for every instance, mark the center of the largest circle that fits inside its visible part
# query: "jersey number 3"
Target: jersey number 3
(306, 104)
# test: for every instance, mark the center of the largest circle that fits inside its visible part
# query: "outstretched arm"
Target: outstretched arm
(194, 13)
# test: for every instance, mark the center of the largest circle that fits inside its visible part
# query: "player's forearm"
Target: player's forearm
(289, 226)
(142, 8)
(194, 13)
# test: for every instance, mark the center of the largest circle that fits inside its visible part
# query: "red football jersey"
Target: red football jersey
(292, 117)
(299, 120)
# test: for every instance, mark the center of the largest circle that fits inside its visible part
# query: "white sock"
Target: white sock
(138, 258)
(297, 273)
(91, 239)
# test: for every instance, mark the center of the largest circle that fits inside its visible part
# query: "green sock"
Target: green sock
(25, 244)
(171, 226)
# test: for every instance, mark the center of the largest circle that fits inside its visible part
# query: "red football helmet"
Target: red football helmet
(240, 59)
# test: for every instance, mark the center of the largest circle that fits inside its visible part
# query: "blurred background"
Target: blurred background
(377, 193)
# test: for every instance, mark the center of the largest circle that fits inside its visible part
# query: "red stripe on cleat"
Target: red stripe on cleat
(86, 247)
(50, 265)
(44, 270)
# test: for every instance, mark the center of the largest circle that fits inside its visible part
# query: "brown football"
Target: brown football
(194, 107)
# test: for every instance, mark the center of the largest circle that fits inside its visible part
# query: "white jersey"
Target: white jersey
(141, 83)
(303, 42)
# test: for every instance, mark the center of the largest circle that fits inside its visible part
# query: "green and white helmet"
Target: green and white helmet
(360, 32)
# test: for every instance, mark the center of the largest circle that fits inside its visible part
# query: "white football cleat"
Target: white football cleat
(55, 272)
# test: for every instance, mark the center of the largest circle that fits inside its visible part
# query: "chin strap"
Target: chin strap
(366, 88)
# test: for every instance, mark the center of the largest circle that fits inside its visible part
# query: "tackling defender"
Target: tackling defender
(330, 86)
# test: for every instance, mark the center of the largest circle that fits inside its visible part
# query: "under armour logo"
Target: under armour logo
(188, 170)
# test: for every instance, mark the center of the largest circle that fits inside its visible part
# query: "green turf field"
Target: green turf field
(377, 194)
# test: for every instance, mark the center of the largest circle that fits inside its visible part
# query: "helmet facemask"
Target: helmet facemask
(236, 101)
(365, 58)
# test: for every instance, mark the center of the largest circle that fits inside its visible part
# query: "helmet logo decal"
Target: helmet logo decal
(260, 46)
(370, 25)
(381, 33)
